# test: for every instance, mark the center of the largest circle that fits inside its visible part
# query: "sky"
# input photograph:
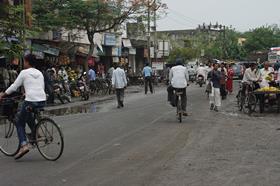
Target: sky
(242, 15)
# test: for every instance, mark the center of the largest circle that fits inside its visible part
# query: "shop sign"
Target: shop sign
(158, 65)
(116, 51)
(52, 51)
(36, 47)
(132, 51)
(38, 54)
(116, 59)
(127, 43)
(37, 50)
(109, 40)
(45, 49)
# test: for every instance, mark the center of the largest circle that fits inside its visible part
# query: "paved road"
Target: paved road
(143, 144)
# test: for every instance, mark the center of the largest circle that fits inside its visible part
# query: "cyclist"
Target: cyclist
(179, 78)
(251, 77)
(33, 82)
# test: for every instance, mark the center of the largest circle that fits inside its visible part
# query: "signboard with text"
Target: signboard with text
(158, 65)
(109, 40)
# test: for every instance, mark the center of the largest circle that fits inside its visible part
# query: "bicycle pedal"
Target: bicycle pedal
(32, 145)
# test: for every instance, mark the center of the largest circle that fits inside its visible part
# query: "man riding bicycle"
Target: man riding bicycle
(33, 82)
(179, 78)
(250, 77)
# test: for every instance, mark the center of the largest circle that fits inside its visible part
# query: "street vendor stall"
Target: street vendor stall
(269, 95)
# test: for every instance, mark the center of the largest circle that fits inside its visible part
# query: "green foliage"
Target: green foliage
(184, 53)
(11, 26)
(261, 39)
(93, 16)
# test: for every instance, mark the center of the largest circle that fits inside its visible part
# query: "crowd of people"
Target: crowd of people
(219, 76)
(38, 84)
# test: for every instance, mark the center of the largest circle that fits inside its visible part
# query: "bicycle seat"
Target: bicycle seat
(39, 109)
(179, 93)
(36, 110)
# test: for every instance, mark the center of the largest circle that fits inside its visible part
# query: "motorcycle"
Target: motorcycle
(60, 93)
(192, 77)
(200, 80)
(83, 88)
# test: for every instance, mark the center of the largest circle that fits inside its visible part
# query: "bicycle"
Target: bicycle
(246, 99)
(179, 93)
(47, 133)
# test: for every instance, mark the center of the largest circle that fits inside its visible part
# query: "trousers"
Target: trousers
(120, 96)
(215, 97)
(25, 116)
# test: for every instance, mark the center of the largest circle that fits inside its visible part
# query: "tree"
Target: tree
(184, 53)
(92, 16)
(12, 28)
(221, 45)
(262, 38)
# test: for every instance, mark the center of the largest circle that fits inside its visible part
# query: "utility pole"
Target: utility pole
(149, 32)
(155, 36)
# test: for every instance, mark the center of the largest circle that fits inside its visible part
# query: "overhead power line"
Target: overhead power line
(186, 18)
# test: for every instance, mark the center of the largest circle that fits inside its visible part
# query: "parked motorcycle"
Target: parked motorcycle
(83, 88)
(60, 93)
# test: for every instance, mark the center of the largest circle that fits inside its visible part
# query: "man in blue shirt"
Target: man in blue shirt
(147, 73)
(91, 78)
(91, 74)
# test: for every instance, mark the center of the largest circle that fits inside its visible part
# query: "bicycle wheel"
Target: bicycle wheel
(49, 139)
(239, 100)
(250, 104)
(179, 109)
(9, 143)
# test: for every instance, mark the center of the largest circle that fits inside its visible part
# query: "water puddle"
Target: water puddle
(81, 109)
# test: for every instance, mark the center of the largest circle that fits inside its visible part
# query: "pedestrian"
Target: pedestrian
(223, 80)
(91, 74)
(119, 82)
(4, 75)
(49, 83)
(278, 77)
(230, 74)
(179, 78)
(110, 72)
(215, 96)
(91, 78)
(277, 65)
(147, 73)
(13, 74)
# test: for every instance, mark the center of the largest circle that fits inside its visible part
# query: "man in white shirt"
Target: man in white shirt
(119, 82)
(179, 78)
(33, 82)
(250, 74)
(264, 74)
(208, 69)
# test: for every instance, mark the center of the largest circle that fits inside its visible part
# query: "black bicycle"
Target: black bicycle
(180, 111)
(48, 137)
(246, 99)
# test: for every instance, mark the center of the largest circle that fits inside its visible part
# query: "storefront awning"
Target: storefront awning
(45, 49)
